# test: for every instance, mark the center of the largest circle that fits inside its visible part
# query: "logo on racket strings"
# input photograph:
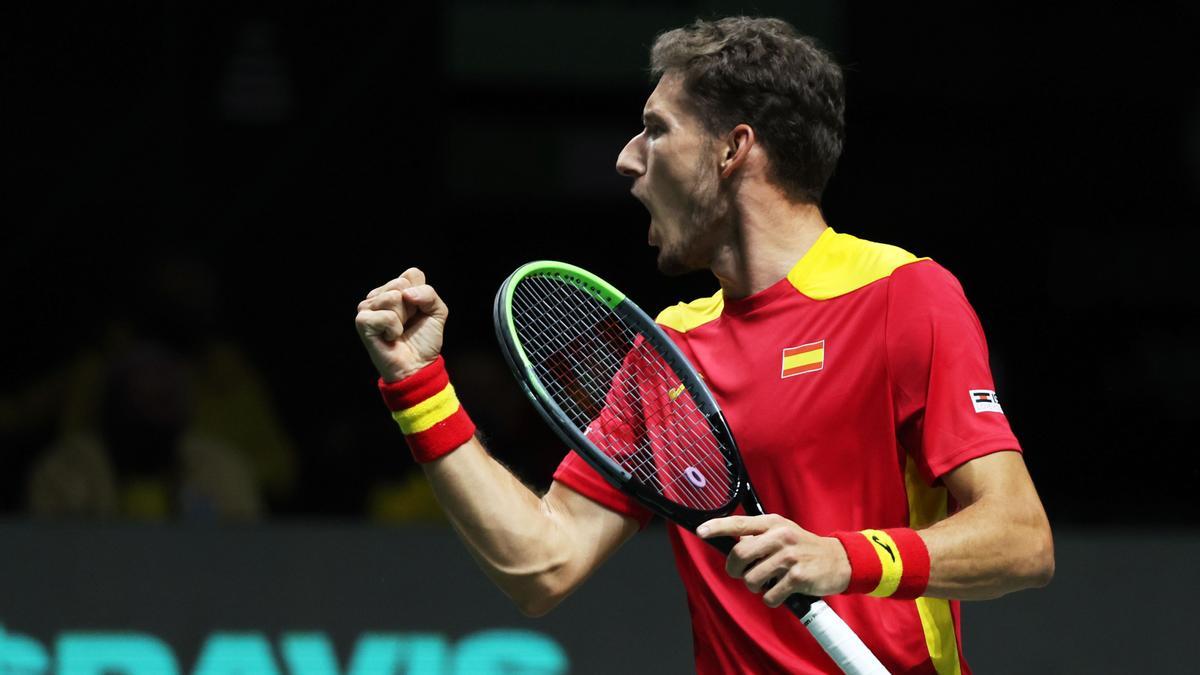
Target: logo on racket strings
(674, 393)
(695, 477)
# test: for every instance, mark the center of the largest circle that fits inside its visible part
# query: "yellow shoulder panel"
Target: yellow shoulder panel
(840, 263)
(688, 315)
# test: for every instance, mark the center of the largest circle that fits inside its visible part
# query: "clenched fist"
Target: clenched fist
(401, 324)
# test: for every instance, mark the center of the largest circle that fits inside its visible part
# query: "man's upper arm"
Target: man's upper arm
(1000, 477)
(595, 531)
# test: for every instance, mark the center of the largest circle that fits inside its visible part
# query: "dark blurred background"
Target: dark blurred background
(197, 195)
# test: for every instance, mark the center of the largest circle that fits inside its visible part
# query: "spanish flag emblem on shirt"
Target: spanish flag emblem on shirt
(803, 359)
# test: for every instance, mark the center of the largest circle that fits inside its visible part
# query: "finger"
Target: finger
(794, 580)
(392, 300)
(426, 299)
(385, 324)
(734, 526)
(769, 568)
(747, 552)
(415, 276)
(398, 284)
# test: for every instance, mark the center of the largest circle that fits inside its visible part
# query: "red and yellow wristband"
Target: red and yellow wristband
(892, 563)
(428, 412)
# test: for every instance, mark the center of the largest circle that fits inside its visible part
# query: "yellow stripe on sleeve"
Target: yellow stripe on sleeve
(889, 558)
(427, 413)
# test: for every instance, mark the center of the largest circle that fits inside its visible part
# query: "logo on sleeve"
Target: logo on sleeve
(985, 400)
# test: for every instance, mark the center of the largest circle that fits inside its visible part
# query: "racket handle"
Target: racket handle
(836, 638)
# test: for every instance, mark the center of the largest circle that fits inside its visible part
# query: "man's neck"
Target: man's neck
(772, 235)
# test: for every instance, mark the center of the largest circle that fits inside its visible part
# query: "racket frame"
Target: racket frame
(514, 355)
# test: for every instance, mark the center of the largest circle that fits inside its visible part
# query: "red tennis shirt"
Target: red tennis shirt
(851, 386)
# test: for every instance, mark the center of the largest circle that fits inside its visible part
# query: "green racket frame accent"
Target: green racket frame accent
(576, 276)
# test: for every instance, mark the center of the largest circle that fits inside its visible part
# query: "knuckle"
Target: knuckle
(795, 576)
(756, 581)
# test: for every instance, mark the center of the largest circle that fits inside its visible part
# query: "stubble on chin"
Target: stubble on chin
(707, 221)
(671, 265)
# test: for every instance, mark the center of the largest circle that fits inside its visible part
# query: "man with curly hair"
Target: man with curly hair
(854, 375)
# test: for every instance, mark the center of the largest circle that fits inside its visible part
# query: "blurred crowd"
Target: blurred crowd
(162, 416)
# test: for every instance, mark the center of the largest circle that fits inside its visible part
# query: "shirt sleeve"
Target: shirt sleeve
(616, 431)
(945, 404)
(578, 475)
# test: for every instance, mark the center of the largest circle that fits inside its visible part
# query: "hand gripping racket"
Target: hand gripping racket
(615, 388)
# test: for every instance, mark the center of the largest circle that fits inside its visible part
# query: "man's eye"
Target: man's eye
(654, 130)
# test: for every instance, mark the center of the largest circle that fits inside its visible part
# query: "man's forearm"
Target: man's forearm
(987, 550)
(519, 539)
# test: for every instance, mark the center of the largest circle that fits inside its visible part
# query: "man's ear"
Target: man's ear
(736, 149)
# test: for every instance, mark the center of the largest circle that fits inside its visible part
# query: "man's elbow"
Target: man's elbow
(1046, 557)
(537, 607)
(538, 589)
(537, 599)
(1038, 569)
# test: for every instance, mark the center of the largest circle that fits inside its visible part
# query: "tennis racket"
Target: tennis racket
(615, 388)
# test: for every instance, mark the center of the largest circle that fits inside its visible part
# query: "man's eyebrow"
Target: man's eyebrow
(652, 116)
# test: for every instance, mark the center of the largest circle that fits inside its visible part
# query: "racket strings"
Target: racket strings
(619, 392)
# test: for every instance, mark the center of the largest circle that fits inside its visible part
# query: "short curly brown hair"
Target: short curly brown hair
(762, 72)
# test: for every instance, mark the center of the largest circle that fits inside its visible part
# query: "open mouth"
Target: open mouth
(650, 228)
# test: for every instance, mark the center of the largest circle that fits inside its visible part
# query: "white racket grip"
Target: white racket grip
(842, 644)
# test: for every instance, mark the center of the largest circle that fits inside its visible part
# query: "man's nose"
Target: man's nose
(629, 162)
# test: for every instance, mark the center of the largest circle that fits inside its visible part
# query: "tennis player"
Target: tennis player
(854, 376)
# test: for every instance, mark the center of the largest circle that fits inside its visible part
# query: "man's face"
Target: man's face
(673, 163)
